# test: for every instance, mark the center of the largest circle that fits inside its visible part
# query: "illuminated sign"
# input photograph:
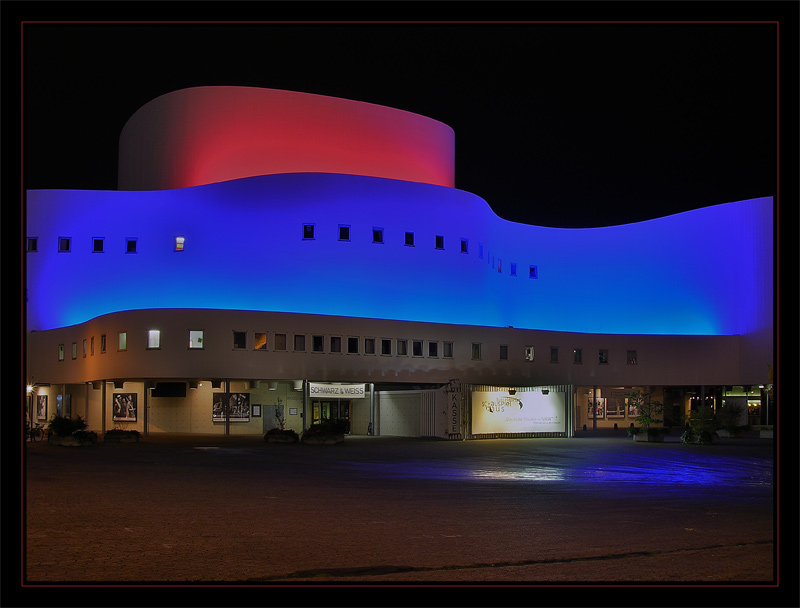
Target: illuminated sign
(336, 391)
(525, 412)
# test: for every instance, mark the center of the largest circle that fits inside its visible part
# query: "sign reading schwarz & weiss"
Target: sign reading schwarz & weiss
(336, 391)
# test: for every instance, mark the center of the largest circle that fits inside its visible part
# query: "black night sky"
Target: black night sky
(557, 124)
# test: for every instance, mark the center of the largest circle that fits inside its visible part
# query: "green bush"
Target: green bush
(62, 426)
(728, 416)
(702, 419)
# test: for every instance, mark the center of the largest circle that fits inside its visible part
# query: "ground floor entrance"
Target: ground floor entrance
(334, 411)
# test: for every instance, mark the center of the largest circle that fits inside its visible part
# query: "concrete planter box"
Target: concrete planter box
(766, 434)
(70, 440)
(121, 437)
(652, 436)
(281, 438)
(322, 439)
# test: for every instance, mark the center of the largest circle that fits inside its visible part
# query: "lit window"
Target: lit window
(377, 235)
(122, 340)
(97, 245)
(632, 357)
(464, 246)
(60, 352)
(416, 348)
(130, 245)
(439, 242)
(308, 232)
(196, 338)
(64, 244)
(74, 350)
(533, 272)
(402, 348)
(476, 350)
(239, 339)
(344, 233)
(317, 344)
(179, 240)
(529, 353)
(554, 354)
(154, 338)
(409, 239)
(447, 350)
(352, 346)
(386, 346)
(280, 341)
(260, 341)
(369, 346)
(503, 352)
(433, 349)
(299, 342)
(33, 244)
(577, 355)
(336, 344)
(602, 356)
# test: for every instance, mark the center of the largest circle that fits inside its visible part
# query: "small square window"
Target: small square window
(33, 244)
(154, 338)
(503, 352)
(336, 344)
(409, 239)
(533, 272)
(179, 242)
(64, 244)
(352, 346)
(529, 353)
(386, 346)
(554, 354)
(239, 339)
(97, 245)
(260, 341)
(602, 356)
(577, 355)
(464, 246)
(196, 338)
(447, 350)
(130, 245)
(122, 340)
(308, 232)
(369, 346)
(402, 348)
(377, 235)
(299, 342)
(439, 241)
(280, 342)
(344, 232)
(317, 344)
(416, 348)
(632, 359)
(60, 352)
(476, 350)
(433, 349)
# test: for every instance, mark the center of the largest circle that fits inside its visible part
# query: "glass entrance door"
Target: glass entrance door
(335, 410)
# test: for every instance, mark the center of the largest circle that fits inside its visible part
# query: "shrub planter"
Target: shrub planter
(766, 433)
(118, 436)
(701, 438)
(281, 436)
(327, 432)
(322, 438)
(653, 435)
(77, 438)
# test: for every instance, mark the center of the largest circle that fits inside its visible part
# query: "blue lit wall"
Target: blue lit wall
(701, 272)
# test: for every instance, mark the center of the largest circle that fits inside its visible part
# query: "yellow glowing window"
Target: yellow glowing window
(179, 243)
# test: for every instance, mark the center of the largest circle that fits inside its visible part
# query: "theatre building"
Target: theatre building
(278, 252)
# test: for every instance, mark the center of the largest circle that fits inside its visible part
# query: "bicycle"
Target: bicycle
(35, 433)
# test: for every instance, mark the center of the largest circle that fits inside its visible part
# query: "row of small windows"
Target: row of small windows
(98, 244)
(352, 345)
(309, 234)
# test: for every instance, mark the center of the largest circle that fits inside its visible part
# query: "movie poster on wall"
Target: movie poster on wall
(238, 406)
(124, 407)
(41, 407)
(600, 403)
(523, 412)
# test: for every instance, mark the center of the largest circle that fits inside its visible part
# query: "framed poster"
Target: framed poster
(600, 408)
(124, 407)
(41, 407)
(633, 411)
(238, 407)
(256, 410)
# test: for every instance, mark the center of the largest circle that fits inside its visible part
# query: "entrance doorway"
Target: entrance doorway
(335, 410)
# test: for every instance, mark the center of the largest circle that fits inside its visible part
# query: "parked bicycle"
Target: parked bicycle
(35, 433)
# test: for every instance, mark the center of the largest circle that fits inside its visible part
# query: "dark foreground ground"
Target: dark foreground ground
(382, 511)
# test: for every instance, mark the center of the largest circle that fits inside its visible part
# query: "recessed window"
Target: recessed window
(632, 357)
(102, 343)
(433, 349)
(447, 350)
(504, 352)
(60, 352)
(409, 239)
(317, 344)
(480, 250)
(369, 346)
(464, 246)
(386, 346)
(97, 245)
(122, 340)
(64, 243)
(416, 348)
(476, 350)
(91, 345)
(533, 272)
(239, 339)
(179, 242)
(352, 346)
(85, 344)
(196, 338)
(33, 244)
(499, 265)
(280, 341)
(260, 341)
(153, 338)
(602, 356)
(299, 342)
(377, 235)
(402, 348)
(308, 232)
(577, 355)
(344, 232)
(554, 354)
(336, 344)
(74, 350)
(130, 245)
(513, 269)
(439, 241)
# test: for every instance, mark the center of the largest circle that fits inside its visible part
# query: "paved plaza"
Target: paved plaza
(593, 509)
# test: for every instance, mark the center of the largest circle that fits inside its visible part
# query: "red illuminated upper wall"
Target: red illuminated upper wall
(204, 135)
